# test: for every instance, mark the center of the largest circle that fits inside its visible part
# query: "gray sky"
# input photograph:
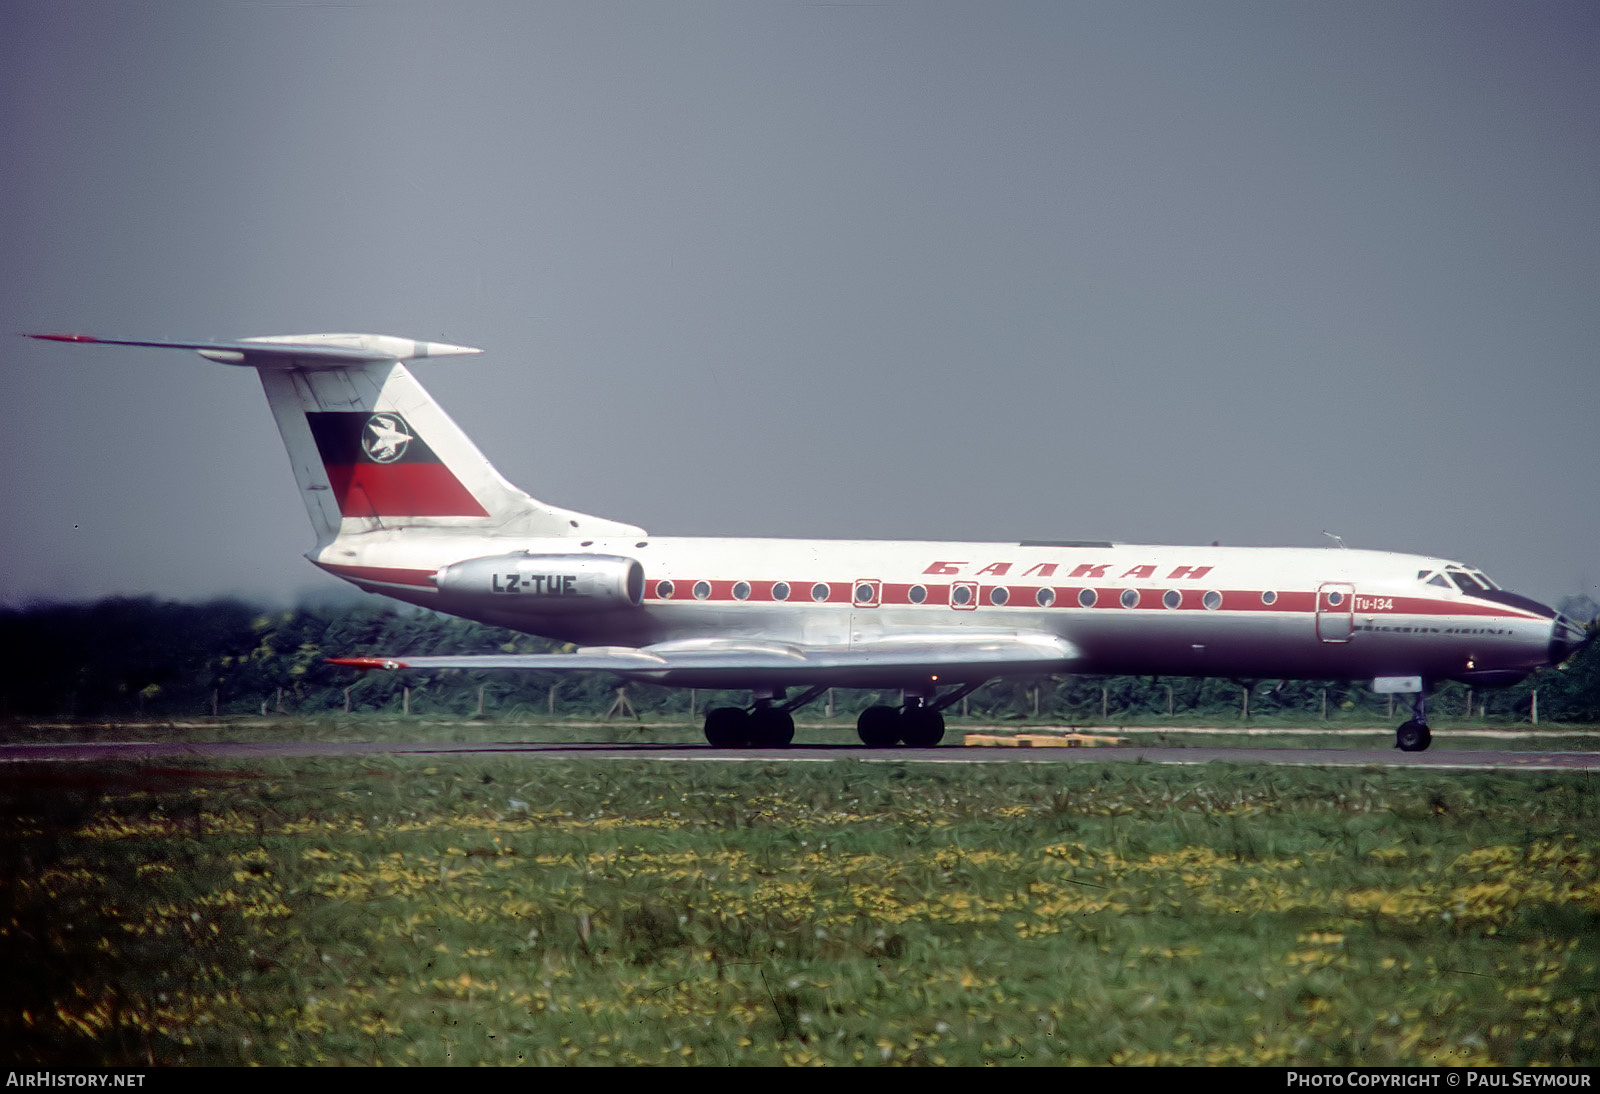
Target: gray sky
(1161, 272)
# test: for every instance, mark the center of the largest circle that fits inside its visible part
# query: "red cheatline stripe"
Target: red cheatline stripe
(387, 575)
(1108, 598)
(401, 490)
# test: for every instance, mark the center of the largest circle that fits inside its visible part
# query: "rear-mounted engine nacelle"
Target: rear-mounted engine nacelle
(548, 582)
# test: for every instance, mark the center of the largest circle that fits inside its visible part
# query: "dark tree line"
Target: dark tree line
(161, 659)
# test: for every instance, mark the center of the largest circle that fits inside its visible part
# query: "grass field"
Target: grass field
(428, 910)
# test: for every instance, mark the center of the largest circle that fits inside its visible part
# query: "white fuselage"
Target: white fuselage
(1161, 610)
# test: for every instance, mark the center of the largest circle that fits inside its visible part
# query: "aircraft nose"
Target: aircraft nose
(1567, 637)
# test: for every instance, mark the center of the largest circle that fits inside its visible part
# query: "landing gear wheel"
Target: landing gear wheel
(921, 727)
(770, 728)
(727, 727)
(1413, 736)
(878, 727)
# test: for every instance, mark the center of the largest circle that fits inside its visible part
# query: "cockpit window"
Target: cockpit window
(1433, 577)
(1466, 582)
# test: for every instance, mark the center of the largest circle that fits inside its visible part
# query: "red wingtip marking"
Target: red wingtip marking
(367, 662)
(64, 337)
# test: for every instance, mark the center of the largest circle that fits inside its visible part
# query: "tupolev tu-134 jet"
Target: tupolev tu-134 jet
(405, 505)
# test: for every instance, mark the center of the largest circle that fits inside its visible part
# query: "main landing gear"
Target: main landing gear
(763, 727)
(1413, 735)
(915, 724)
(918, 724)
(769, 722)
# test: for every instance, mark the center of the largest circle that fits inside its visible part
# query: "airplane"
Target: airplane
(403, 504)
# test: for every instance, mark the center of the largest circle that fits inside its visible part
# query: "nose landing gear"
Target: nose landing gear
(1413, 734)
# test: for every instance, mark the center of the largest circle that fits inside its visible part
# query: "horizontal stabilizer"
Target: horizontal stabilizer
(293, 350)
(902, 658)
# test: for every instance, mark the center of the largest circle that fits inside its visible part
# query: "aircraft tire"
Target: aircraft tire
(879, 727)
(771, 729)
(727, 727)
(1413, 736)
(921, 727)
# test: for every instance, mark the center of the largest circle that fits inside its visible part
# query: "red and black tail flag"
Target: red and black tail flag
(379, 467)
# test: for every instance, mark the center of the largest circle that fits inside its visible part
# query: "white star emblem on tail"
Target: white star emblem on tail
(388, 439)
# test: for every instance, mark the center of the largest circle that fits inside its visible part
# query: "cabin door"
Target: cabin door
(1336, 605)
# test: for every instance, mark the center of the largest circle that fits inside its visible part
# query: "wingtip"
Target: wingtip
(61, 337)
(367, 662)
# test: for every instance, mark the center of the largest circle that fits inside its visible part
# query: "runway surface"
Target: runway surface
(1484, 760)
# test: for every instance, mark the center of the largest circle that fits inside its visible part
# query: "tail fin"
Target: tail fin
(370, 448)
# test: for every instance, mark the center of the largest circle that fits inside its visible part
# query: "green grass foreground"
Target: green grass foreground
(431, 910)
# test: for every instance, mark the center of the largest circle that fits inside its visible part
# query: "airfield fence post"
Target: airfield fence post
(215, 705)
(1244, 704)
(1036, 704)
(1324, 704)
(830, 702)
(1169, 700)
(1391, 705)
(347, 699)
(1105, 703)
(406, 701)
(480, 700)
(622, 706)
(1534, 711)
(691, 705)
(1469, 703)
(552, 700)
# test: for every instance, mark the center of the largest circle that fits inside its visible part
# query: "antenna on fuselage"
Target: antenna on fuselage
(1335, 539)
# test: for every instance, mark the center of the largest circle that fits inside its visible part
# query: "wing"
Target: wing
(888, 661)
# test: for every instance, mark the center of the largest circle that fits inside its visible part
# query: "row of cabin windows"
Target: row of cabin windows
(961, 595)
